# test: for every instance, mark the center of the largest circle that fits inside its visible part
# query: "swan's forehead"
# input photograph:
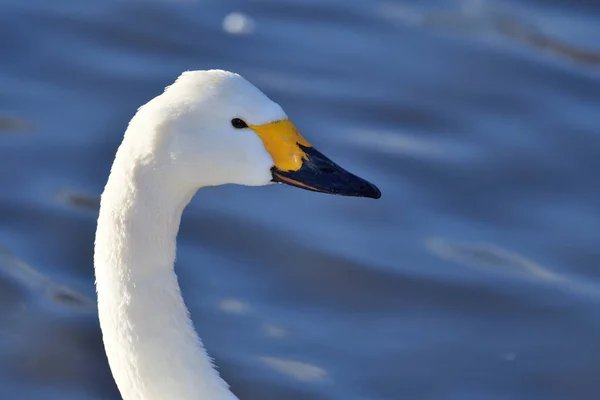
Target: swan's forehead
(243, 100)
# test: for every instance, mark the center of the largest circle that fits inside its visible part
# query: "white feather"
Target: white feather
(176, 143)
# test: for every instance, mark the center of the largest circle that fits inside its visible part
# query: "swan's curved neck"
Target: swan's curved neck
(152, 347)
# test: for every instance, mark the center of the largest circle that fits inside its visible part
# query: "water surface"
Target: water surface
(475, 276)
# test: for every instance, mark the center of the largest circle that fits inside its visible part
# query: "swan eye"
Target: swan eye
(238, 123)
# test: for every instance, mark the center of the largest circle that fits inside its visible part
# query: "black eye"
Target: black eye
(238, 123)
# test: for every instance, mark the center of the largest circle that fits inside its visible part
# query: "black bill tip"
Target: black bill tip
(319, 174)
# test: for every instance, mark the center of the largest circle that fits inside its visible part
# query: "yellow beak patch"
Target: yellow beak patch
(281, 139)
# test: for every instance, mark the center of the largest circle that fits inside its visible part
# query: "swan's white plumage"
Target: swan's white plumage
(176, 143)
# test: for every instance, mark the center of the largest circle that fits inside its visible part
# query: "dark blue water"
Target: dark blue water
(475, 276)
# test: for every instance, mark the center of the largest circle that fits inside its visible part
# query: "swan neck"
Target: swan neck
(144, 214)
(152, 347)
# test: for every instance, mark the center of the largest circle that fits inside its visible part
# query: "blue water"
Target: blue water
(475, 276)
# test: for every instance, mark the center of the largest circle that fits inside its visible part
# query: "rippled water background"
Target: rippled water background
(475, 276)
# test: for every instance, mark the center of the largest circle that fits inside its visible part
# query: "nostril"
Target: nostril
(327, 170)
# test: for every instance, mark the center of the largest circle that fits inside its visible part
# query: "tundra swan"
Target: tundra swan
(208, 128)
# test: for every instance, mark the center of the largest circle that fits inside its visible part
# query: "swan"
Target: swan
(208, 128)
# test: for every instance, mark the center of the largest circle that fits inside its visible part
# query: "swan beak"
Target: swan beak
(319, 174)
(299, 164)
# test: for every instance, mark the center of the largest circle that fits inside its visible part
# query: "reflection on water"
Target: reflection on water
(396, 143)
(79, 200)
(297, 370)
(488, 256)
(20, 273)
(8, 124)
(537, 39)
(238, 24)
(482, 18)
(233, 306)
(477, 119)
(275, 331)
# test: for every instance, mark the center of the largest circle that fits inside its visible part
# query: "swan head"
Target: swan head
(214, 127)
